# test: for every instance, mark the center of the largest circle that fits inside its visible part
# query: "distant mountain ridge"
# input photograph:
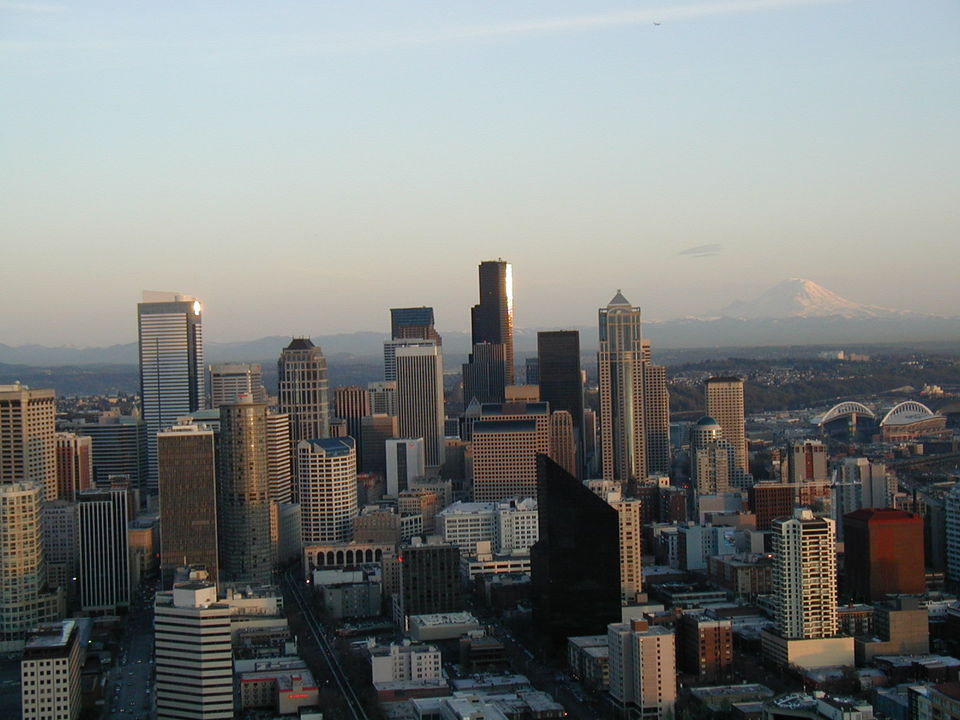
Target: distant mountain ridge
(793, 312)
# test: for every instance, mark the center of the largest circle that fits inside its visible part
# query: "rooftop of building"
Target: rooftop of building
(515, 407)
(51, 635)
(333, 447)
(721, 691)
(300, 343)
(585, 641)
(483, 427)
(406, 647)
(439, 619)
(882, 515)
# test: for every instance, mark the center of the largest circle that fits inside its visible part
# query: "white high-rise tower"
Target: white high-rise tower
(420, 398)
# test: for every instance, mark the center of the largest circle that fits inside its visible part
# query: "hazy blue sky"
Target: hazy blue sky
(302, 167)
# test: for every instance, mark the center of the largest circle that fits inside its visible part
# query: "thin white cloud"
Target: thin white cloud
(384, 40)
(663, 15)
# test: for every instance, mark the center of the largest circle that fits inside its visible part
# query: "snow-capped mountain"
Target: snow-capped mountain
(799, 298)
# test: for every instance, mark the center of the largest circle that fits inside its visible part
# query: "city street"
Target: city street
(129, 693)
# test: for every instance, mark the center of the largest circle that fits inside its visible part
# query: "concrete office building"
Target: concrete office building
(104, 551)
(279, 458)
(50, 670)
(656, 417)
(620, 363)
(724, 403)
(563, 442)
(405, 462)
(643, 669)
(194, 663)
(375, 430)
(74, 464)
(304, 389)
(327, 478)
(25, 600)
(27, 437)
(61, 545)
(383, 397)
(429, 579)
(484, 374)
(420, 399)
(504, 458)
(769, 501)
(247, 552)
(171, 364)
(353, 404)
(228, 381)
(188, 501)
(705, 647)
(119, 447)
(390, 348)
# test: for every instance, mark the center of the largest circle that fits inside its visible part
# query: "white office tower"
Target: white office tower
(194, 663)
(420, 398)
(279, 457)
(228, 381)
(390, 348)
(805, 576)
(28, 437)
(643, 669)
(620, 362)
(858, 483)
(327, 478)
(104, 550)
(171, 364)
(405, 463)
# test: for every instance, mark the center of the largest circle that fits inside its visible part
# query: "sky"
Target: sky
(303, 166)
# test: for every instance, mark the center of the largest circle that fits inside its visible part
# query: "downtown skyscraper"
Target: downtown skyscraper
(243, 493)
(171, 364)
(620, 365)
(724, 401)
(304, 390)
(491, 325)
(420, 398)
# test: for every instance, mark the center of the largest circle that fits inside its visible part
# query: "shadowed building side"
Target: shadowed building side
(576, 561)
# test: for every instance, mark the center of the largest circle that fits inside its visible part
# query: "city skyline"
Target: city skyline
(736, 142)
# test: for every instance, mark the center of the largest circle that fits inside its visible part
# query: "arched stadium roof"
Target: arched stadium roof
(848, 407)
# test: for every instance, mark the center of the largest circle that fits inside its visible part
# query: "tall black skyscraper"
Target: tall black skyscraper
(492, 318)
(560, 380)
(576, 561)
